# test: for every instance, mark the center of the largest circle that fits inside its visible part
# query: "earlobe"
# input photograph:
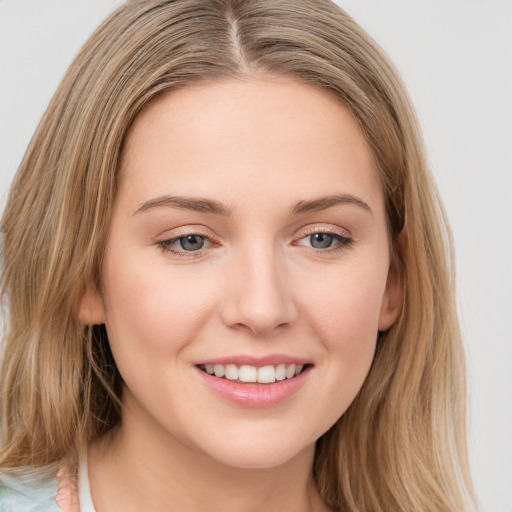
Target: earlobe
(392, 300)
(92, 309)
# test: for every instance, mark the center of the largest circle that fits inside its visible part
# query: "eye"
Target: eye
(321, 240)
(184, 244)
(191, 242)
(324, 240)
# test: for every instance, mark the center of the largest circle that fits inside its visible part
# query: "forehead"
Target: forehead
(269, 136)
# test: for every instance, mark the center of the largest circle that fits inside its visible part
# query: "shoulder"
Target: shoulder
(47, 489)
(28, 489)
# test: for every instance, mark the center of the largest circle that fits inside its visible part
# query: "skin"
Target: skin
(257, 287)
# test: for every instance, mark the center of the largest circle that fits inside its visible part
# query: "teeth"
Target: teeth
(231, 372)
(219, 370)
(248, 373)
(266, 374)
(281, 372)
(290, 371)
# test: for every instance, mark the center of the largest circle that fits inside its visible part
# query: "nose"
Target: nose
(259, 295)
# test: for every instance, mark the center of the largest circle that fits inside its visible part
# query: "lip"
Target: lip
(270, 359)
(253, 395)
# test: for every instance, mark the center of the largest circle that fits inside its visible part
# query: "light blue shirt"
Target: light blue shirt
(35, 490)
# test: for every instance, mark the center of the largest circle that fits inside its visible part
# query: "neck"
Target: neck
(136, 468)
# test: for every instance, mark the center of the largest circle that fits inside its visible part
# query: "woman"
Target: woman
(227, 270)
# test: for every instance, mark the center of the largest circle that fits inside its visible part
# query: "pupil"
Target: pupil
(321, 240)
(192, 242)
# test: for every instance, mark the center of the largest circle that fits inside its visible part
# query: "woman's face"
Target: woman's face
(248, 239)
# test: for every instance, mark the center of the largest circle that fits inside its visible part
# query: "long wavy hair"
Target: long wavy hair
(401, 445)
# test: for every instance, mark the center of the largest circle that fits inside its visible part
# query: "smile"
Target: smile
(255, 382)
(267, 374)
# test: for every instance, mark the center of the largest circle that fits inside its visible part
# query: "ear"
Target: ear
(393, 294)
(91, 310)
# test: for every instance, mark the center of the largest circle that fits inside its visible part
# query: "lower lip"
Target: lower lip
(254, 395)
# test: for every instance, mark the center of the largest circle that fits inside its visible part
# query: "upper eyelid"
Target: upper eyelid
(182, 231)
(199, 230)
(325, 229)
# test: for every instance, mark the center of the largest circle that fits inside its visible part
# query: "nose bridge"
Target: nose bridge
(260, 294)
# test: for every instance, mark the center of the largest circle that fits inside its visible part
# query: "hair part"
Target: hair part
(401, 445)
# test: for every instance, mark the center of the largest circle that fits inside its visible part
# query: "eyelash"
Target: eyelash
(340, 241)
(166, 245)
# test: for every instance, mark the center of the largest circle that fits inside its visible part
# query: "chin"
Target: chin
(263, 453)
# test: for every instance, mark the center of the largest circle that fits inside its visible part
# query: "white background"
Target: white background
(456, 59)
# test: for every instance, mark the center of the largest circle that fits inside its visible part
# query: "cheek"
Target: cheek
(345, 306)
(345, 321)
(151, 310)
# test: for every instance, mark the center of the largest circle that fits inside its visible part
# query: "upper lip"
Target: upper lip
(251, 360)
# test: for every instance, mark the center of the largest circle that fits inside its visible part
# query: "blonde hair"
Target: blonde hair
(401, 445)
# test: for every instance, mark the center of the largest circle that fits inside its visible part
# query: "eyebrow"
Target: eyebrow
(322, 203)
(204, 205)
(198, 204)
